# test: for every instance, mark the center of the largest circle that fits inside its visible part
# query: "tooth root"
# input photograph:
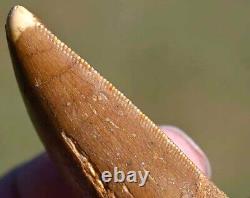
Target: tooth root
(84, 134)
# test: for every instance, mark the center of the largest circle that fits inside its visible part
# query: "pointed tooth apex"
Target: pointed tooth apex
(19, 19)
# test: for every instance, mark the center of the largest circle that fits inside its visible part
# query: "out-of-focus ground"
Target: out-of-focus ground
(184, 63)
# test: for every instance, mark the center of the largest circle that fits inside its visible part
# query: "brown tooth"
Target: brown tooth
(88, 126)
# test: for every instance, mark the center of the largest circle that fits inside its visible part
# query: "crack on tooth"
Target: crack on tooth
(127, 191)
(87, 167)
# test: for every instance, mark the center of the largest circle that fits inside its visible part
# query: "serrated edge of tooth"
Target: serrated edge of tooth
(119, 96)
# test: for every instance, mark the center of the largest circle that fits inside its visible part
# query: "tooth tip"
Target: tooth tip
(19, 19)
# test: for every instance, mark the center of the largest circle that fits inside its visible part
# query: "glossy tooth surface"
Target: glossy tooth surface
(88, 126)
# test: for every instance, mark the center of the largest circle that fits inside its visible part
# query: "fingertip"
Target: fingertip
(8, 187)
(189, 147)
(40, 178)
(36, 178)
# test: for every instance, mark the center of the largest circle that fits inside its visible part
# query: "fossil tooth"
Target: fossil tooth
(88, 126)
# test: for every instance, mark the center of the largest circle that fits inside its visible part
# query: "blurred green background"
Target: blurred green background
(184, 63)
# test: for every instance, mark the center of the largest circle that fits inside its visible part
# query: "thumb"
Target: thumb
(189, 147)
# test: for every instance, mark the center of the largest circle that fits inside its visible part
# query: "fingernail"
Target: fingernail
(189, 147)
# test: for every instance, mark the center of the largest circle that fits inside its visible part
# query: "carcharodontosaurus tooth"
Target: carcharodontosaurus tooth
(88, 126)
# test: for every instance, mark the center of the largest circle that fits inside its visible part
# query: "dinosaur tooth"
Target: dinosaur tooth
(88, 126)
